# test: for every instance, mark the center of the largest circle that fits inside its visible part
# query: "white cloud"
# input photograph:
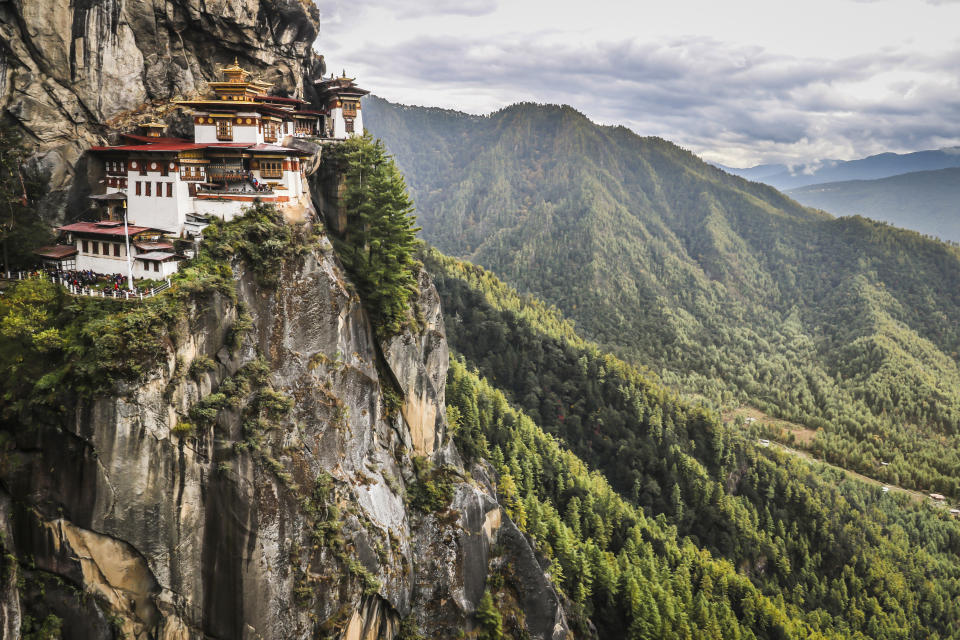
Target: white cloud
(737, 82)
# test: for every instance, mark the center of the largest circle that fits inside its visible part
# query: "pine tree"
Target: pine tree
(378, 246)
(21, 187)
(491, 623)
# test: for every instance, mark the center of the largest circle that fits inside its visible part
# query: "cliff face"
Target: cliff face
(72, 71)
(266, 479)
(261, 487)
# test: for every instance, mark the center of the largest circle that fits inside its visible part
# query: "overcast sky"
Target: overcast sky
(739, 82)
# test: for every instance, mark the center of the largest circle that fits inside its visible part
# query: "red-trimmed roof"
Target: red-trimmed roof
(263, 96)
(305, 112)
(56, 251)
(103, 229)
(226, 105)
(177, 146)
(151, 139)
(157, 147)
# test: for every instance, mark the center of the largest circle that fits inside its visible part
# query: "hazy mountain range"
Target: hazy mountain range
(912, 190)
(882, 165)
(925, 201)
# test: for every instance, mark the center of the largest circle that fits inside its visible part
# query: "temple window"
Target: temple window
(270, 131)
(271, 169)
(224, 129)
(116, 251)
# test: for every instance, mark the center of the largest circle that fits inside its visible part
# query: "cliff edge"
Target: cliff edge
(275, 474)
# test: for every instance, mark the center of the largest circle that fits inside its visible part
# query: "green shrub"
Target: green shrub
(433, 488)
(200, 365)
(491, 623)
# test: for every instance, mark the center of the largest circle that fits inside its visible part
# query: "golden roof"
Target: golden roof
(235, 70)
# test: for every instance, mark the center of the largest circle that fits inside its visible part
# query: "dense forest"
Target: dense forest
(729, 291)
(661, 523)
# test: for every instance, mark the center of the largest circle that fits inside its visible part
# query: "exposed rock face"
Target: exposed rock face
(419, 362)
(71, 70)
(272, 525)
(284, 516)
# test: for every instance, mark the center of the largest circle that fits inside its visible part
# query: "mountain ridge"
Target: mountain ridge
(925, 201)
(881, 165)
(726, 288)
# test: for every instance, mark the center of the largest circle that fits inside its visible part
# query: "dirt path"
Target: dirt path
(916, 496)
(804, 436)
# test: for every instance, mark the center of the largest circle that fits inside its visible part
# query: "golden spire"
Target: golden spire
(235, 73)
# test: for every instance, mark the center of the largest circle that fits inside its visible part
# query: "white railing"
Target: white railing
(90, 292)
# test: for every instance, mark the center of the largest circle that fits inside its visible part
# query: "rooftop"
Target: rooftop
(152, 139)
(158, 256)
(154, 147)
(263, 96)
(103, 228)
(153, 246)
(116, 196)
(56, 251)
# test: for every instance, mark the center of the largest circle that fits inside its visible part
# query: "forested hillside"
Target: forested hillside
(659, 522)
(925, 201)
(727, 289)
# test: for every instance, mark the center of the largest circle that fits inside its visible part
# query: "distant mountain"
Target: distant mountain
(726, 288)
(925, 201)
(875, 167)
(757, 173)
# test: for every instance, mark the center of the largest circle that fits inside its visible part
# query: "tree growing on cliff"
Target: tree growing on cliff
(379, 244)
(21, 187)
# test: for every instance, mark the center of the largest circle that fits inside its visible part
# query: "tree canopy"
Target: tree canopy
(21, 188)
(378, 246)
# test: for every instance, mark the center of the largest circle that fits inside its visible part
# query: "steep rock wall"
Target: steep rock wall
(259, 523)
(72, 71)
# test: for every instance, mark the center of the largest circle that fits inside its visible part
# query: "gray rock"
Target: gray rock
(290, 527)
(71, 72)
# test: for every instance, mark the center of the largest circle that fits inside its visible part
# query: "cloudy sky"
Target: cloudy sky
(739, 82)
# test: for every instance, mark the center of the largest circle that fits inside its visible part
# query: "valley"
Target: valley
(795, 440)
(726, 289)
(417, 373)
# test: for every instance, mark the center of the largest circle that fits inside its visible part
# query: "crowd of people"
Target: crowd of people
(248, 181)
(88, 279)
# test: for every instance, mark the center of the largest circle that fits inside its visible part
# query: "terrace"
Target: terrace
(231, 178)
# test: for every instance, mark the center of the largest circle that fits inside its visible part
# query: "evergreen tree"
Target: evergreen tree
(378, 246)
(20, 189)
(491, 623)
